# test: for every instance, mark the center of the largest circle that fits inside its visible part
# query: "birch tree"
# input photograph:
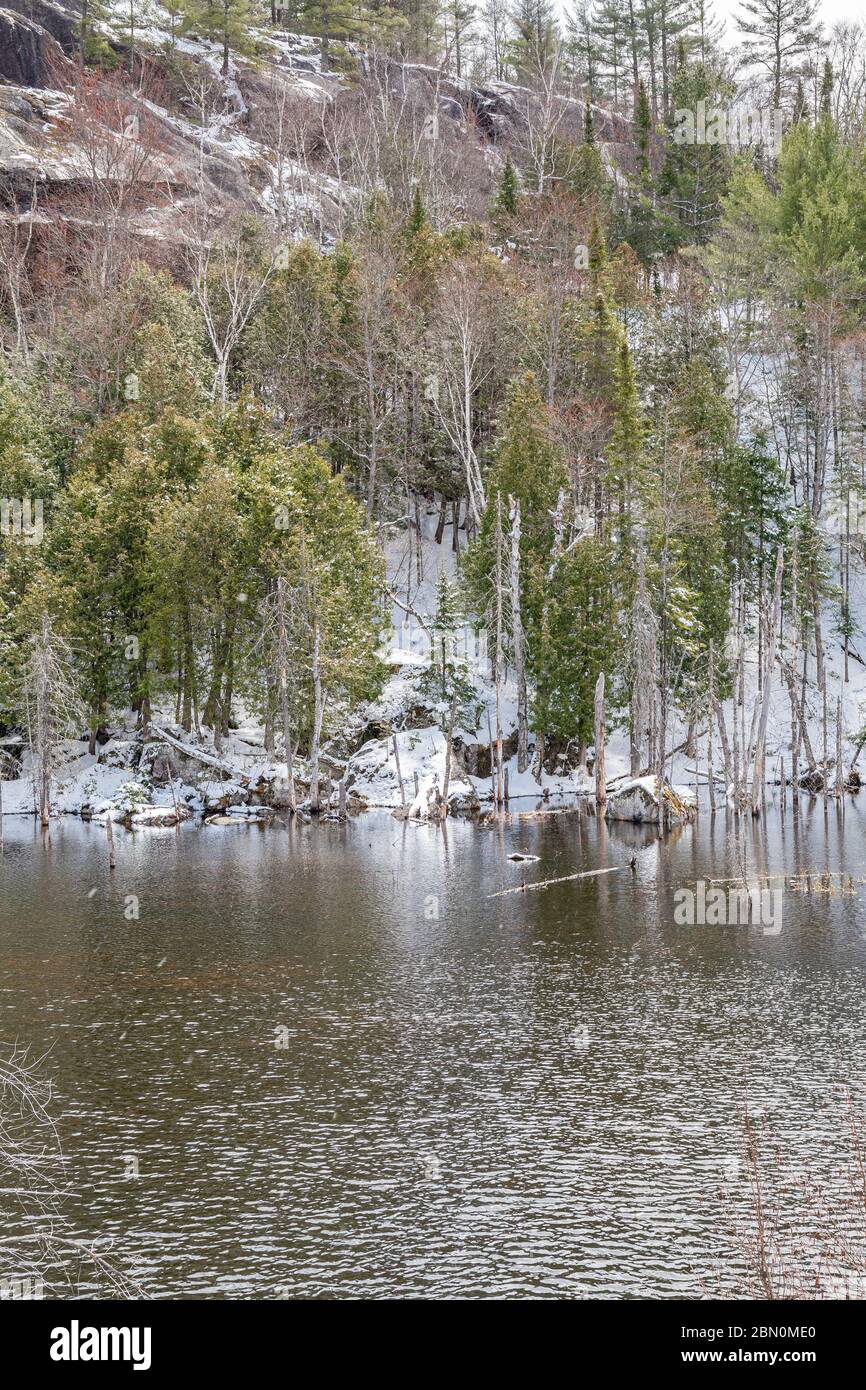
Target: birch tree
(50, 705)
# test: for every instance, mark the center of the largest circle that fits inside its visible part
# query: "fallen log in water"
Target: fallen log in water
(546, 882)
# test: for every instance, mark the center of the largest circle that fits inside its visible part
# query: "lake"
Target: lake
(322, 1061)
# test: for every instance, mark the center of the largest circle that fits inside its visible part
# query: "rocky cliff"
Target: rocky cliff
(264, 137)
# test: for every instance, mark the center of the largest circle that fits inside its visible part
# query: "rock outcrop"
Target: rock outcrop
(29, 56)
(637, 801)
(227, 151)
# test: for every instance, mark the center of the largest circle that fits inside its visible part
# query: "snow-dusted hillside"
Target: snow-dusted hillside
(258, 137)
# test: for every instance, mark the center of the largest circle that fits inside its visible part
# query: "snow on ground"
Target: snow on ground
(240, 776)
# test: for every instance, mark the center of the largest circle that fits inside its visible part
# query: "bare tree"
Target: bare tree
(545, 107)
(517, 640)
(462, 362)
(42, 1254)
(772, 627)
(51, 707)
(278, 648)
(229, 270)
(16, 237)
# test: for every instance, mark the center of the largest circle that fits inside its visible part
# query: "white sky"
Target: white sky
(829, 10)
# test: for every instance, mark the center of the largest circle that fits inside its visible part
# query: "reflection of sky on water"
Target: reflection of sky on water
(345, 1069)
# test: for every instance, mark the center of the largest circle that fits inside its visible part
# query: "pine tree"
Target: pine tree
(446, 680)
(643, 130)
(506, 200)
(598, 258)
(782, 29)
(421, 34)
(528, 467)
(336, 23)
(694, 176)
(612, 31)
(227, 22)
(176, 11)
(624, 446)
(458, 18)
(799, 113)
(417, 220)
(92, 45)
(128, 22)
(826, 101)
(583, 47)
(534, 47)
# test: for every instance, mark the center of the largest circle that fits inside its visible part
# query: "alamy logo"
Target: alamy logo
(846, 515)
(20, 516)
(24, 1287)
(77, 1343)
(748, 905)
(738, 129)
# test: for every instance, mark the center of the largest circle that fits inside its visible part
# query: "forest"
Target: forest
(580, 290)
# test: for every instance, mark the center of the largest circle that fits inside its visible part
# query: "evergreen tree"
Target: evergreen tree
(128, 22)
(826, 100)
(612, 27)
(446, 682)
(781, 29)
(643, 130)
(694, 176)
(528, 466)
(227, 22)
(417, 221)
(92, 44)
(536, 42)
(420, 35)
(336, 23)
(507, 195)
(577, 639)
(799, 113)
(583, 48)
(458, 18)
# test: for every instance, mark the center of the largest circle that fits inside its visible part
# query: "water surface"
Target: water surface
(344, 1070)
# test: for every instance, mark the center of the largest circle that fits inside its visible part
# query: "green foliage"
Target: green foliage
(527, 465)
(577, 638)
(227, 22)
(506, 201)
(418, 215)
(819, 212)
(694, 175)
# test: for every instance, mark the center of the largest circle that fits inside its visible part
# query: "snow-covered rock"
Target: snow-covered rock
(159, 816)
(637, 800)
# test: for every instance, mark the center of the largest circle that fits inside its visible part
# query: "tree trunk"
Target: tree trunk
(769, 661)
(399, 774)
(803, 731)
(723, 737)
(634, 738)
(538, 758)
(499, 650)
(449, 743)
(518, 640)
(600, 782)
(711, 779)
(318, 712)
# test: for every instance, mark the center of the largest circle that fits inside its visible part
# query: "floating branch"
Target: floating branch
(546, 882)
